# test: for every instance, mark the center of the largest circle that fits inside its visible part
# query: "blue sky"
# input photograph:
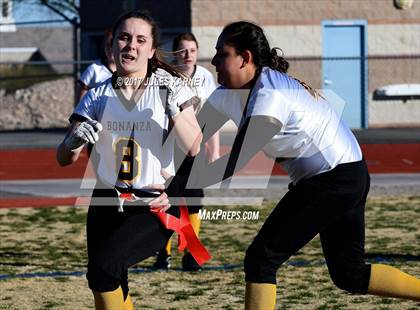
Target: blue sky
(24, 11)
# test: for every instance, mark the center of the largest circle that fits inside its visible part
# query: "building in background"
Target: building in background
(310, 31)
(32, 41)
(354, 48)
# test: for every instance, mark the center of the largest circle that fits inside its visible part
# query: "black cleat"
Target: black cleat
(163, 261)
(189, 263)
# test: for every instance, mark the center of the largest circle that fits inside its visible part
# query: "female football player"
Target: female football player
(101, 69)
(185, 48)
(292, 123)
(131, 120)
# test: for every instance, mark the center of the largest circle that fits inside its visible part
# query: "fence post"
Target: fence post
(76, 58)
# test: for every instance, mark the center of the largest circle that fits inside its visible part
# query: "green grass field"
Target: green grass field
(53, 239)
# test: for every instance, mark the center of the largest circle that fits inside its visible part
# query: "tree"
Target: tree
(62, 8)
(67, 9)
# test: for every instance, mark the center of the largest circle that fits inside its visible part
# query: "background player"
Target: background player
(128, 123)
(330, 180)
(101, 69)
(185, 48)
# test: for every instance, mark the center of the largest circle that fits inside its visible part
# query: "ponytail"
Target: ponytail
(248, 36)
(157, 62)
(277, 62)
(310, 90)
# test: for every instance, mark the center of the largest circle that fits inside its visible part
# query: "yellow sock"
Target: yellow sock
(260, 296)
(109, 300)
(195, 222)
(128, 304)
(392, 282)
(168, 246)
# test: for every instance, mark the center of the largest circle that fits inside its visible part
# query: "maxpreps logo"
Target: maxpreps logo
(230, 215)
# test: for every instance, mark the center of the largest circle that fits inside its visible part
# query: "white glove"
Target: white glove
(172, 106)
(85, 132)
(171, 91)
(175, 100)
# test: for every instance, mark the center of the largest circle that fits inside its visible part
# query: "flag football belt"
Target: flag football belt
(187, 237)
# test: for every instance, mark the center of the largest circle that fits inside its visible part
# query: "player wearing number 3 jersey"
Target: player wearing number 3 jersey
(135, 134)
(132, 128)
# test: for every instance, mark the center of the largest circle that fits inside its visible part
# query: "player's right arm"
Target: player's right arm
(82, 90)
(78, 134)
(83, 129)
(64, 155)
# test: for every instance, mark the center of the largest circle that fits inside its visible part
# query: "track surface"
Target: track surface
(31, 156)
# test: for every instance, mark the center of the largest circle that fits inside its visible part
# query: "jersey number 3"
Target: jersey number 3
(127, 155)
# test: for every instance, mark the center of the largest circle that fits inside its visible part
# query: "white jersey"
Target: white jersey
(312, 139)
(134, 145)
(204, 85)
(95, 74)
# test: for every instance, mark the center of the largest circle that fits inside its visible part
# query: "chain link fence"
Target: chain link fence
(38, 74)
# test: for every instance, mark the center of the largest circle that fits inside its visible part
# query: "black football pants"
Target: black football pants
(331, 204)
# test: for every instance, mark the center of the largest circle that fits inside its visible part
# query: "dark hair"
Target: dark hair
(105, 46)
(244, 35)
(157, 60)
(187, 36)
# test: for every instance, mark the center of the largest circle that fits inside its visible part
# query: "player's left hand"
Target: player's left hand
(162, 201)
(165, 79)
(172, 105)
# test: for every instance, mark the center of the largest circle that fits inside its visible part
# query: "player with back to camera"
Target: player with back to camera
(128, 125)
(185, 48)
(100, 70)
(290, 122)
